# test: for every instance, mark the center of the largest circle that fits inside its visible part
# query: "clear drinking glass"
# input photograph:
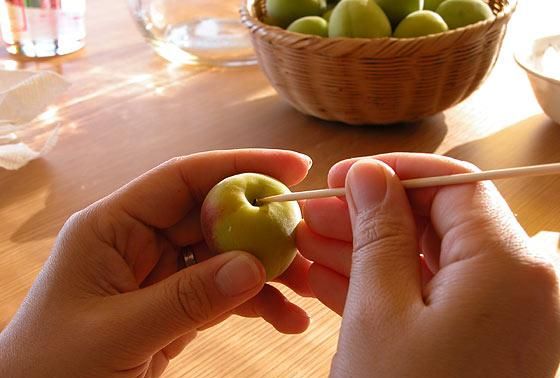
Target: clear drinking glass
(43, 28)
(195, 31)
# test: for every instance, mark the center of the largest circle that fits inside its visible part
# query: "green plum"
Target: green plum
(284, 12)
(328, 12)
(420, 23)
(432, 4)
(396, 10)
(459, 13)
(269, 20)
(313, 25)
(359, 19)
(231, 220)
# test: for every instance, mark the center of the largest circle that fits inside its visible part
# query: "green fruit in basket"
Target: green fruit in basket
(396, 10)
(270, 21)
(432, 4)
(459, 13)
(359, 19)
(327, 14)
(313, 25)
(420, 23)
(284, 12)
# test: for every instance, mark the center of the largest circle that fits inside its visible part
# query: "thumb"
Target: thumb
(385, 260)
(156, 315)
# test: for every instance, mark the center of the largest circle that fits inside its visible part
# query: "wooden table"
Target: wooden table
(129, 110)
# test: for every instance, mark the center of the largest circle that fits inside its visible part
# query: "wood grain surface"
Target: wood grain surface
(128, 110)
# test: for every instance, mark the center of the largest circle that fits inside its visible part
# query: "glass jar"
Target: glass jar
(42, 28)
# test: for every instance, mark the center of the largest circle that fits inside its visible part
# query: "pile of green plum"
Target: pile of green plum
(375, 18)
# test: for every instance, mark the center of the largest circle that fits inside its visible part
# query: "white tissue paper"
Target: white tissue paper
(23, 96)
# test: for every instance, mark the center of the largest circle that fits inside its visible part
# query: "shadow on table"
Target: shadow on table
(38, 177)
(268, 122)
(13, 191)
(277, 125)
(536, 140)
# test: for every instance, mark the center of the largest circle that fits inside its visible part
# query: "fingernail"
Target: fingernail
(238, 275)
(308, 159)
(367, 183)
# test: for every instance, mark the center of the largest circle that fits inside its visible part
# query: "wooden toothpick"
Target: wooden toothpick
(461, 178)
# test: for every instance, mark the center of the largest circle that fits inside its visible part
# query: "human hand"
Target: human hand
(112, 301)
(479, 303)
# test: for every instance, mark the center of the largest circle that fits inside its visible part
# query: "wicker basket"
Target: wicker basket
(381, 80)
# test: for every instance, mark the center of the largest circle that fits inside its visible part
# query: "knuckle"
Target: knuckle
(76, 219)
(376, 231)
(468, 166)
(543, 276)
(193, 299)
(173, 161)
(88, 218)
(539, 290)
(73, 230)
(385, 237)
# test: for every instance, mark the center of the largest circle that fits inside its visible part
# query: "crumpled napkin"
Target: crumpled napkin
(23, 96)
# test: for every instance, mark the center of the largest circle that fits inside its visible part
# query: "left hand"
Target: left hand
(112, 299)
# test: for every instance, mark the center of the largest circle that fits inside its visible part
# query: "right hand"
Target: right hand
(479, 303)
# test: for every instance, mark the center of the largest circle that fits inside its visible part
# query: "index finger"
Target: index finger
(476, 211)
(329, 216)
(162, 196)
(408, 166)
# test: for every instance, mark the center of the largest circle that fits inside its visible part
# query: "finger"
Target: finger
(296, 276)
(333, 254)
(328, 217)
(408, 166)
(144, 253)
(329, 287)
(216, 321)
(167, 265)
(154, 316)
(139, 245)
(201, 252)
(426, 273)
(271, 305)
(174, 348)
(473, 214)
(470, 214)
(385, 257)
(157, 365)
(430, 246)
(162, 196)
(187, 230)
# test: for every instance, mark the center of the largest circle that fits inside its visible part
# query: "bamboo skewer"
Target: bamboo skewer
(424, 182)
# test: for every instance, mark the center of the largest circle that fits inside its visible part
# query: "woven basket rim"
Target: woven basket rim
(278, 34)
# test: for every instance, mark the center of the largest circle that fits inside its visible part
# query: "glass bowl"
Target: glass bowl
(195, 32)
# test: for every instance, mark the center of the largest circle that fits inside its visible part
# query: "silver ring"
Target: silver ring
(188, 256)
